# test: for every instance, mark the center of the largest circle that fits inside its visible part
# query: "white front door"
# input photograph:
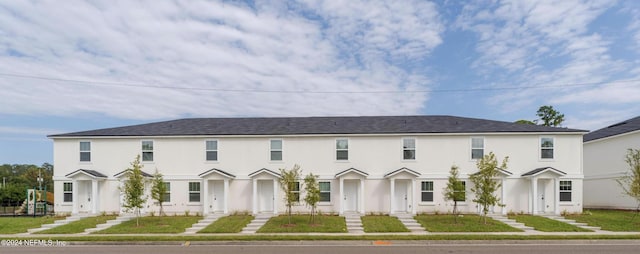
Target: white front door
(541, 196)
(351, 196)
(265, 196)
(84, 196)
(400, 196)
(217, 196)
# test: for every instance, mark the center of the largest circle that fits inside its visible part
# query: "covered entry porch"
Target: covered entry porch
(216, 191)
(265, 191)
(544, 195)
(352, 190)
(85, 190)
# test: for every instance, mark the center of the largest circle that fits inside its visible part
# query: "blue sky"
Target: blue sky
(74, 65)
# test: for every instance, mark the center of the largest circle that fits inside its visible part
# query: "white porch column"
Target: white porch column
(255, 196)
(503, 196)
(362, 196)
(275, 196)
(413, 199)
(392, 192)
(74, 196)
(226, 196)
(205, 203)
(342, 197)
(556, 196)
(94, 196)
(534, 195)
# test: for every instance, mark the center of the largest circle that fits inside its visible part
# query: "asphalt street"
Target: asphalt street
(368, 247)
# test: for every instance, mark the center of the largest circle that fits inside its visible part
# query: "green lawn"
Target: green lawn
(612, 220)
(466, 223)
(546, 224)
(156, 224)
(380, 223)
(228, 224)
(14, 225)
(78, 226)
(300, 224)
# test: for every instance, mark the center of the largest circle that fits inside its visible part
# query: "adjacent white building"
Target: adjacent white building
(604, 162)
(380, 164)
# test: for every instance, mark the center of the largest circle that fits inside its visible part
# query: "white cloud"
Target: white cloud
(314, 46)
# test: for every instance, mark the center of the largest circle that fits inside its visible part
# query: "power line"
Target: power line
(107, 83)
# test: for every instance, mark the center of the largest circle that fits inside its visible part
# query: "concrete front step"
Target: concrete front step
(572, 222)
(409, 222)
(59, 223)
(203, 223)
(509, 222)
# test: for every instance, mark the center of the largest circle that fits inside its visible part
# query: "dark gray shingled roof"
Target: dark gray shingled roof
(317, 125)
(630, 125)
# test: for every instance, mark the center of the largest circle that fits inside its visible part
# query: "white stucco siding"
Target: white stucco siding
(604, 162)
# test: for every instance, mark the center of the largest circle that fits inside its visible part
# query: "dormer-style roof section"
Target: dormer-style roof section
(126, 171)
(539, 171)
(87, 172)
(403, 169)
(219, 172)
(318, 125)
(351, 170)
(623, 127)
(264, 170)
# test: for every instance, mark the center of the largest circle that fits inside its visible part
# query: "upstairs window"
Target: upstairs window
(67, 190)
(409, 149)
(194, 192)
(546, 148)
(276, 150)
(325, 191)
(565, 191)
(342, 149)
(427, 191)
(212, 150)
(147, 150)
(85, 151)
(477, 148)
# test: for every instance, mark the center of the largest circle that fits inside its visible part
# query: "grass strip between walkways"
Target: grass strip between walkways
(545, 224)
(465, 223)
(382, 224)
(612, 220)
(14, 225)
(153, 225)
(228, 224)
(300, 224)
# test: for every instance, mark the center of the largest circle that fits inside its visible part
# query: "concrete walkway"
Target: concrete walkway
(110, 223)
(354, 222)
(409, 222)
(211, 218)
(258, 221)
(57, 223)
(572, 222)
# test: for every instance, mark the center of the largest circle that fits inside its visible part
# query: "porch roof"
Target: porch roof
(264, 170)
(350, 170)
(543, 170)
(124, 172)
(500, 171)
(400, 170)
(217, 171)
(90, 173)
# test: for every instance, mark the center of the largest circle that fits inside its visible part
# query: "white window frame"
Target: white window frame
(476, 148)
(199, 192)
(65, 192)
(414, 149)
(342, 149)
(552, 148)
(85, 151)
(143, 151)
(207, 150)
(271, 150)
(427, 191)
(570, 190)
(321, 191)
